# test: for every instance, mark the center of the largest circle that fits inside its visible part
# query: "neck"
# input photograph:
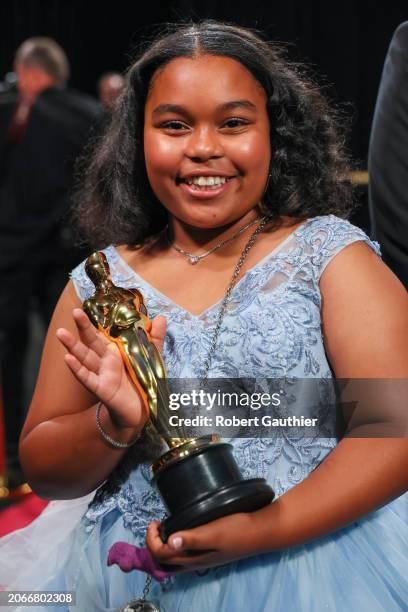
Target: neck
(192, 238)
(105, 285)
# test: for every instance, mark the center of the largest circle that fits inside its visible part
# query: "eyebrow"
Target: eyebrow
(226, 106)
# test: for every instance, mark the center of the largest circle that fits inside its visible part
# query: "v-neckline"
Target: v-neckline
(201, 315)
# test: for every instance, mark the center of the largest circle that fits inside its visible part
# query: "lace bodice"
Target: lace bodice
(272, 328)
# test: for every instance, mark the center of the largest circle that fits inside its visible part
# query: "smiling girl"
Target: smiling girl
(222, 169)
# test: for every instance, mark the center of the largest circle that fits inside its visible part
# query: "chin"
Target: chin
(211, 220)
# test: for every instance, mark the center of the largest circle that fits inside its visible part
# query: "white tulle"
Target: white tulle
(45, 543)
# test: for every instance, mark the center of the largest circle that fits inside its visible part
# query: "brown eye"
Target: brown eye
(174, 125)
(235, 122)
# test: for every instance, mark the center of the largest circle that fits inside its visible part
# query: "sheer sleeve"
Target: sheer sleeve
(326, 236)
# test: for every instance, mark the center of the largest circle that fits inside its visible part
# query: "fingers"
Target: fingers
(88, 334)
(83, 354)
(153, 539)
(91, 344)
(158, 331)
(202, 538)
(82, 373)
(183, 548)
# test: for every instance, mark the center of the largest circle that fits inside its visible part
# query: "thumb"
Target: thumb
(198, 538)
(158, 331)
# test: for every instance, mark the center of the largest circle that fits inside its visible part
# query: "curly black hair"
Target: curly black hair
(309, 170)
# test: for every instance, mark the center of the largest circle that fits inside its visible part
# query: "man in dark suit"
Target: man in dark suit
(43, 129)
(388, 158)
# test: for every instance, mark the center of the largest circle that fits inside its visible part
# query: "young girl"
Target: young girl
(218, 139)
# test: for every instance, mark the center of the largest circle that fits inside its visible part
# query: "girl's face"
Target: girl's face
(206, 140)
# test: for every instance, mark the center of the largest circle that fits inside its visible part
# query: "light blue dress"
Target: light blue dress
(272, 329)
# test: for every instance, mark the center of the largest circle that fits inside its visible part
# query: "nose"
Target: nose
(204, 143)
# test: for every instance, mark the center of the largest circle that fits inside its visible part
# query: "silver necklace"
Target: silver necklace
(194, 259)
(231, 285)
(142, 604)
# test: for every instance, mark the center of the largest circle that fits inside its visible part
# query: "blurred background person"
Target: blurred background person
(110, 86)
(43, 129)
(388, 158)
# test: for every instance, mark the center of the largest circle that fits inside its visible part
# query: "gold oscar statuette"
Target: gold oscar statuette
(198, 478)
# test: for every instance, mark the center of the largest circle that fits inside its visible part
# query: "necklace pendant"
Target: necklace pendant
(194, 259)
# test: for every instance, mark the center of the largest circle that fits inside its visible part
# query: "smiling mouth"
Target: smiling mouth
(204, 183)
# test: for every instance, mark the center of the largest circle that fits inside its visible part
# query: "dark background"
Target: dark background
(345, 42)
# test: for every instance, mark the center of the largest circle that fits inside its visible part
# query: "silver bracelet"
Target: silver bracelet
(106, 436)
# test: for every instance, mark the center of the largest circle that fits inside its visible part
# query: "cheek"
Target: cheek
(162, 155)
(253, 153)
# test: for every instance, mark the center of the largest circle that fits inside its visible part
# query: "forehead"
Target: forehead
(205, 79)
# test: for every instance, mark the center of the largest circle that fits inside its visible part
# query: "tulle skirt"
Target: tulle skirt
(360, 568)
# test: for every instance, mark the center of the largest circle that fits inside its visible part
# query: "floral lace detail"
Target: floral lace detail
(272, 329)
(255, 456)
(138, 504)
(138, 509)
(103, 502)
(283, 461)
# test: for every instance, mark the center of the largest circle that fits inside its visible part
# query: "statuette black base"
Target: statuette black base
(207, 485)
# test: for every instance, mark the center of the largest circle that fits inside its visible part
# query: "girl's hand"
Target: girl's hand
(227, 539)
(97, 364)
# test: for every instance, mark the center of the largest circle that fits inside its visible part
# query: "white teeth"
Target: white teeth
(203, 181)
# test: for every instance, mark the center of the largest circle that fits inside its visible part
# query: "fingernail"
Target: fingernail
(177, 542)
